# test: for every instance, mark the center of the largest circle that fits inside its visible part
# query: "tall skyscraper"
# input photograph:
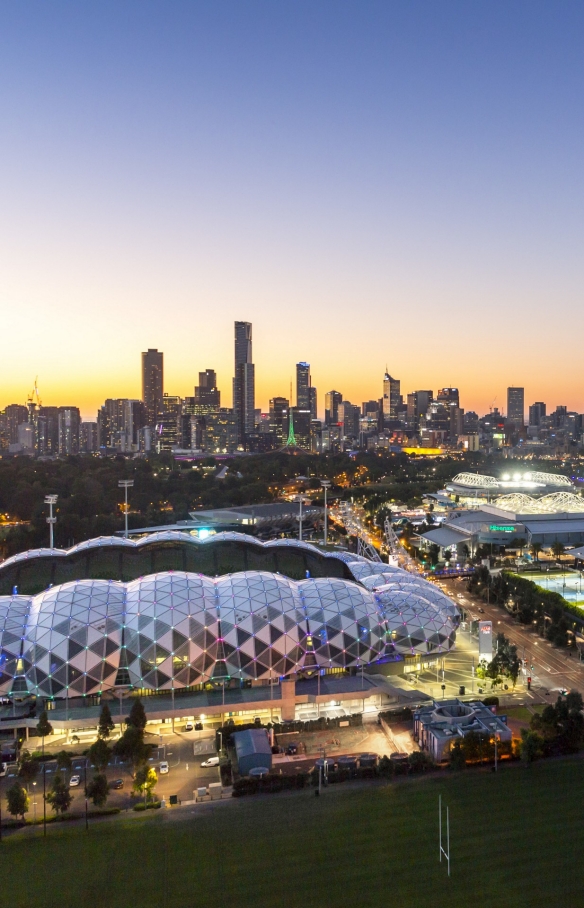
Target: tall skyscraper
(243, 383)
(516, 405)
(313, 403)
(332, 399)
(391, 396)
(152, 384)
(279, 407)
(206, 392)
(303, 386)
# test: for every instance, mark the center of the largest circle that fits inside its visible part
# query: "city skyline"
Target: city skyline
(390, 183)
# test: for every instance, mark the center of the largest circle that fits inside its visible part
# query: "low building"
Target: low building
(252, 750)
(437, 726)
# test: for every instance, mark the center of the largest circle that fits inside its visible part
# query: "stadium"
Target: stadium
(185, 628)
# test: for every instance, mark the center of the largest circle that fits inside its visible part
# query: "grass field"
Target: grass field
(516, 840)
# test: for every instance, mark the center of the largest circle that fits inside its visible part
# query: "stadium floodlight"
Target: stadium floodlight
(126, 484)
(51, 500)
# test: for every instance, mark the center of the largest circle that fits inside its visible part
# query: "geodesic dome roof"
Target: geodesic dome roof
(73, 638)
(13, 622)
(415, 624)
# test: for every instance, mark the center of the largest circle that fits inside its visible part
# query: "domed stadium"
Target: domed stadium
(177, 629)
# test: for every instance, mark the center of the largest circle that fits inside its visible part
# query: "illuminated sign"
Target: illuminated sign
(505, 528)
(486, 640)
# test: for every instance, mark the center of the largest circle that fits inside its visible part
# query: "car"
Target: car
(212, 761)
(3, 768)
(117, 784)
(74, 781)
(292, 749)
(481, 610)
(189, 726)
(198, 726)
(164, 767)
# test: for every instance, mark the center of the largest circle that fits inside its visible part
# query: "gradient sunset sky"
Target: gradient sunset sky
(368, 183)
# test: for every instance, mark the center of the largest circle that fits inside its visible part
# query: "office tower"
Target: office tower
(313, 403)
(88, 439)
(152, 384)
(119, 424)
(448, 396)
(349, 418)
(332, 399)
(456, 423)
(244, 383)
(470, 421)
(370, 408)
(516, 405)
(69, 423)
(303, 386)
(391, 396)
(220, 431)
(206, 392)
(418, 403)
(537, 412)
(279, 417)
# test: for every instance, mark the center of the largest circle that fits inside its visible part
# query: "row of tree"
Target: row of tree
(129, 747)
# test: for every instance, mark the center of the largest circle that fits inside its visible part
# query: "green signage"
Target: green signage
(494, 528)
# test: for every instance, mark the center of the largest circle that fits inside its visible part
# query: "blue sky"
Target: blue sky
(368, 183)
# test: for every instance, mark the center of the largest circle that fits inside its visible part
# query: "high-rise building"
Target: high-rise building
(313, 403)
(279, 417)
(119, 424)
(244, 383)
(220, 431)
(206, 392)
(15, 415)
(152, 384)
(332, 399)
(537, 412)
(69, 423)
(391, 396)
(418, 403)
(448, 396)
(48, 431)
(303, 386)
(88, 440)
(516, 405)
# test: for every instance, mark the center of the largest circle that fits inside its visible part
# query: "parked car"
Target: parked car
(74, 781)
(164, 767)
(198, 726)
(292, 749)
(117, 784)
(212, 761)
(189, 726)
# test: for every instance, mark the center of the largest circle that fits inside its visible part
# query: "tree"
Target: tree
(98, 789)
(558, 550)
(531, 746)
(131, 746)
(44, 728)
(64, 760)
(137, 717)
(145, 780)
(106, 724)
(59, 796)
(17, 799)
(28, 768)
(457, 757)
(536, 548)
(99, 754)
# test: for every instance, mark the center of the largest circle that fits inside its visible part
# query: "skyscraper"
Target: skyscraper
(303, 386)
(206, 392)
(391, 396)
(279, 407)
(152, 384)
(243, 383)
(332, 399)
(516, 405)
(537, 412)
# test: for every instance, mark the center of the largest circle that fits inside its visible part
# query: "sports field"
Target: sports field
(568, 584)
(517, 839)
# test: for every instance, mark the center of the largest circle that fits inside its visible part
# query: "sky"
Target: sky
(370, 184)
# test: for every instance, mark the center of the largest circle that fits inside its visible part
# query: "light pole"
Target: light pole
(300, 499)
(125, 484)
(325, 483)
(51, 500)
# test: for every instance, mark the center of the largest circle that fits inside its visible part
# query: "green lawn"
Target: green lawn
(516, 839)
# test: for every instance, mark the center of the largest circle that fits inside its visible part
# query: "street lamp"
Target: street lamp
(126, 484)
(325, 483)
(51, 500)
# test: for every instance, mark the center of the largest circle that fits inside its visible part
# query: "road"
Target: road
(553, 668)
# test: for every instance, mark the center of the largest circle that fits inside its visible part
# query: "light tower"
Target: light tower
(301, 499)
(51, 500)
(126, 484)
(326, 484)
